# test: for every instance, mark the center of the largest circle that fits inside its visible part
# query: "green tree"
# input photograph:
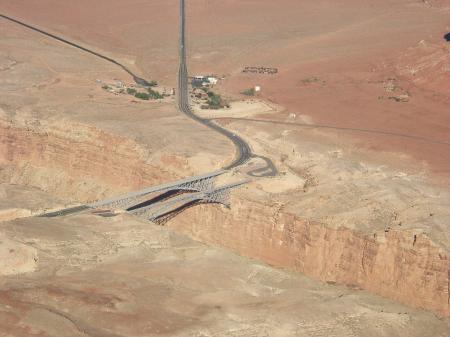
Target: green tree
(153, 94)
(142, 95)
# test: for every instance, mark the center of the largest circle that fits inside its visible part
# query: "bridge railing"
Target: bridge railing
(131, 197)
(218, 195)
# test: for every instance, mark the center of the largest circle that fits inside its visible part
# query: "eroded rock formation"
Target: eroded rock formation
(74, 161)
(401, 265)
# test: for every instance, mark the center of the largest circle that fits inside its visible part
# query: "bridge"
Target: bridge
(162, 202)
(171, 199)
(133, 199)
(161, 212)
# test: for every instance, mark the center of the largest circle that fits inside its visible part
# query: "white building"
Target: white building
(212, 80)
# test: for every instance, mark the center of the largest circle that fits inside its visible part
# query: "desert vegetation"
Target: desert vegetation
(249, 92)
(215, 101)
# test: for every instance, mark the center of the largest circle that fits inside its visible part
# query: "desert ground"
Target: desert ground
(351, 238)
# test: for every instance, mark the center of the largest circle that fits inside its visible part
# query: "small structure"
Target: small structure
(200, 93)
(198, 82)
(212, 80)
(203, 81)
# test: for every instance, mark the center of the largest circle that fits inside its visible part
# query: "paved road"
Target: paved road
(243, 150)
(66, 211)
(136, 78)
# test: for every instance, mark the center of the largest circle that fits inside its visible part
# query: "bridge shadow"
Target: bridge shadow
(447, 37)
(165, 218)
(158, 198)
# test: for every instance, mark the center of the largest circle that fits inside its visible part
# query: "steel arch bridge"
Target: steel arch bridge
(173, 198)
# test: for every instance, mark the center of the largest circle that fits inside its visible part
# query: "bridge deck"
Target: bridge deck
(156, 189)
(161, 208)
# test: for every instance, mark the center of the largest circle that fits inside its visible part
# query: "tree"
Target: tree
(142, 95)
(153, 94)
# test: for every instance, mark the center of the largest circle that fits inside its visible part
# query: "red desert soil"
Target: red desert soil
(362, 65)
(341, 63)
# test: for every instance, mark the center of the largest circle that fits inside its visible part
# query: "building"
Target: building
(203, 81)
(212, 80)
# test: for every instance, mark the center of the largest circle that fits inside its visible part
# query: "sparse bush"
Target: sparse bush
(153, 94)
(142, 95)
(152, 84)
(313, 79)
(249, 92)
(131, 91)
(106, 87)
(215, 101)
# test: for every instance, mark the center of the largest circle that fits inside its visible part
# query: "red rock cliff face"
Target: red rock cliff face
(82, 163)
(74, 161)
(395, 264)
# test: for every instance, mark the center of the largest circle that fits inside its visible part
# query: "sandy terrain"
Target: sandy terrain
(18, 201)
(60, 88)
(361, 199)
(336, 50)
(122, 277)
(239, 109)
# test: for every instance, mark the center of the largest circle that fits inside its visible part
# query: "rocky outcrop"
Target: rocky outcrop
(427, 66)
(400, 265)
(73, 161)
(84, 163)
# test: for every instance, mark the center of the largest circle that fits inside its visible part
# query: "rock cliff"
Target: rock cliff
(83, 163)
(401, 265)
(73, 161)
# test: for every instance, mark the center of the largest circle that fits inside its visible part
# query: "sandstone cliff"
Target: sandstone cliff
(83, 163)
(397, 264)
(73, 161)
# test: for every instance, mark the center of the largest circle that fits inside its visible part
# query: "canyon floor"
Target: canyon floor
(357, 124)
(91, 276)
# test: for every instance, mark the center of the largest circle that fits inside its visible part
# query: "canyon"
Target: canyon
(406, 262)
(351, 238)
(50, 253)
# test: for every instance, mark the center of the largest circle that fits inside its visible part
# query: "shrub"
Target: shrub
(142, 95)
(313, 79)
(249, 92)
(215, 101)
(153, 94)
(131, 91)
(152, 84)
